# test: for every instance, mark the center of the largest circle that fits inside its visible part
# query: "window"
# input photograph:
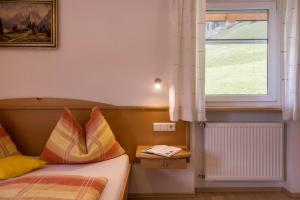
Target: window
(241, 56)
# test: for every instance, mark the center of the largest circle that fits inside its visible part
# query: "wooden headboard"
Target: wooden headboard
(30, 122)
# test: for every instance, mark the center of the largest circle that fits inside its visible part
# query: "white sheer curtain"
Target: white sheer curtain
(291, 58)
(187, 46)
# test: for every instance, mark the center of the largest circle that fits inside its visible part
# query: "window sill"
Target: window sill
(242, 109)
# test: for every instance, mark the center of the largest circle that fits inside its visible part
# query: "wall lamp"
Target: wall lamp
(157, 84)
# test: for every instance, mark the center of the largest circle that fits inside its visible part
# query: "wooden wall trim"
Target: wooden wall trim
(215, 190)
(128, 108)
(25, 119)
(56, 103)
(248, 189)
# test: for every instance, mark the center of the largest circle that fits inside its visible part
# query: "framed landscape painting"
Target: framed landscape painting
(28, 23)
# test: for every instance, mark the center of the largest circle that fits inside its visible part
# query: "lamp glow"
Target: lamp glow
(157, 84)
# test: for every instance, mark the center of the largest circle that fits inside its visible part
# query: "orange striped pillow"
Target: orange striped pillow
(7, 147)
(67, 141)
(100, 140)
(69, 144)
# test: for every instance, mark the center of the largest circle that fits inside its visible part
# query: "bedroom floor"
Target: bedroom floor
(230, 196)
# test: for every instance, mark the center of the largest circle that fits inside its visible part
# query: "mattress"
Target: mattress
(115, 170)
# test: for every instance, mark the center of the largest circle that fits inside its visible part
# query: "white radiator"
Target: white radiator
(244, 151)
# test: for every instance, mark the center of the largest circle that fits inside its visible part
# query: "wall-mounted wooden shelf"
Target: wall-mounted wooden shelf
(177, 161)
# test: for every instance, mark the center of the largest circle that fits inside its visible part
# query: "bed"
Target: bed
(115, 170)
(25, 119)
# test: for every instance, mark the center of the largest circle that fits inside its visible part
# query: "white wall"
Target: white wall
(149, 181)
(293, 157)
(109, 51)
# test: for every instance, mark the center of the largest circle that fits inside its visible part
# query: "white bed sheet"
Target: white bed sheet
(115, 170)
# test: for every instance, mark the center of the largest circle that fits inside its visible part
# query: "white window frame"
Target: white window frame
(272, 99)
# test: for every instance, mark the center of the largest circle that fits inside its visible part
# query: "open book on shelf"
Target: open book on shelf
(163, 150)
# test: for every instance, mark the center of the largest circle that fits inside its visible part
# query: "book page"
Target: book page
(163, 150)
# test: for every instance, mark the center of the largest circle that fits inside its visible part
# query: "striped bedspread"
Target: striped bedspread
(58, 187)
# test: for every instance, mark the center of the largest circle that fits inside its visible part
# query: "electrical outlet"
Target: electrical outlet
(158, 127)
(171, 126)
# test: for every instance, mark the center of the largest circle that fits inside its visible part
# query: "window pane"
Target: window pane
(234, 25)
(236, 69)
(237, 52)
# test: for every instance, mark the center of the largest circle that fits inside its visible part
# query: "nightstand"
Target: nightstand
(177, 161)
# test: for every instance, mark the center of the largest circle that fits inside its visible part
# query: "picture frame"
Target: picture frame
(28, 23)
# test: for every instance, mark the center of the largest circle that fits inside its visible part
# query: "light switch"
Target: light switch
(156, 126)
(163, 127)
